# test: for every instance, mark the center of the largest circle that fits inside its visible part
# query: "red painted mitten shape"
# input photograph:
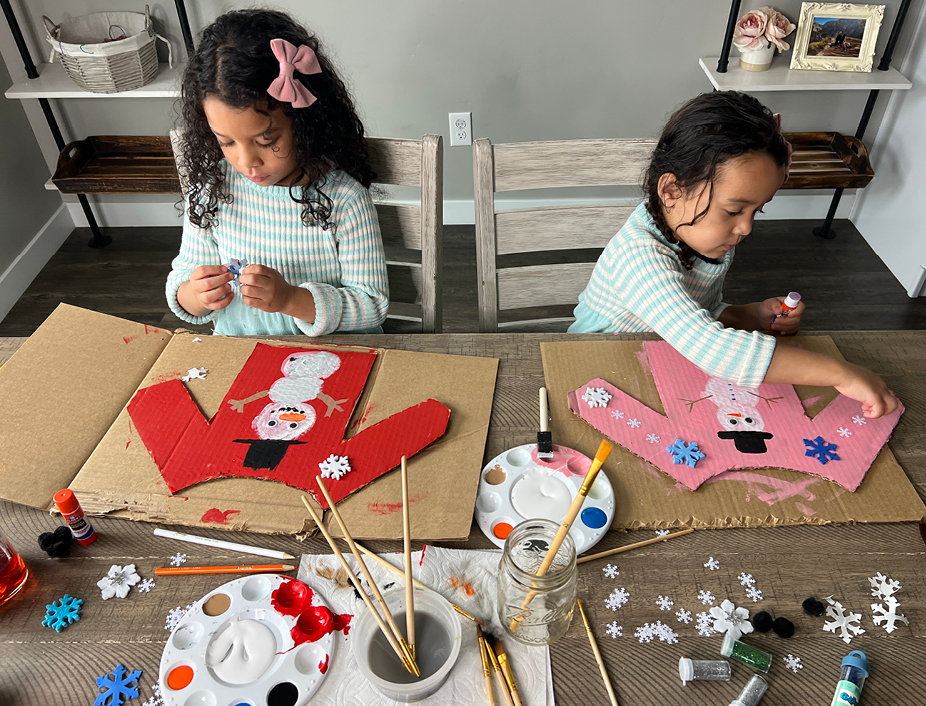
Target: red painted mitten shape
(283, 416)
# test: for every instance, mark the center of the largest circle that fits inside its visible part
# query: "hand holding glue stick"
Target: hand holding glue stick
(787, 322)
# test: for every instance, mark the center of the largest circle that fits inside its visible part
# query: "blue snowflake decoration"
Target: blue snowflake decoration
(683, 452)
(821, 450)
(61, 613)
(117, 689)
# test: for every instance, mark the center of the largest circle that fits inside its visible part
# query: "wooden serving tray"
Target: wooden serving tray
(827, 160)
(117, 164)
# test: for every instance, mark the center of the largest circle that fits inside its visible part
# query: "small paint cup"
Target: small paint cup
(365, 629)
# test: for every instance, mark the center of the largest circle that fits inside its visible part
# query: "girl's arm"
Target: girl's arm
(197, 301)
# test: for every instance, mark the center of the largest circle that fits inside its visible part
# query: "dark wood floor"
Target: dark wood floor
(843, 282)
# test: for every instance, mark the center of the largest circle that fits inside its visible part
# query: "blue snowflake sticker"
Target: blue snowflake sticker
(61, 613)
(682, 452)
(821, 450)
(117, 689)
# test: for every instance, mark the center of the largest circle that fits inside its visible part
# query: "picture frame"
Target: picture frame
(836, 36)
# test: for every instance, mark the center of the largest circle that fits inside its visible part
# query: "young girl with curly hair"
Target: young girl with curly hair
(278, 175)
(721, 157)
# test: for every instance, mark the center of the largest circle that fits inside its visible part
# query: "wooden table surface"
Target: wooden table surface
(39, 666)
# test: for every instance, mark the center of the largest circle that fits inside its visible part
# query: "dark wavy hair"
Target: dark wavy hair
(698, 139)
(234, 63)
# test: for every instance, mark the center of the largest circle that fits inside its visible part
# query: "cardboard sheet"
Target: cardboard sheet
(120, 477)
(647, 498)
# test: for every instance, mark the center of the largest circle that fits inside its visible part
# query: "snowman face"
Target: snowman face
(740, 420)
(310, 364)
(283, 423)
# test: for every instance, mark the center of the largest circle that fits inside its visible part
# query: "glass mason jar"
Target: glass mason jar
(13, 571)
(536, 610)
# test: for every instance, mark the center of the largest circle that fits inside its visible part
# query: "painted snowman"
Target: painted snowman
(737, 413)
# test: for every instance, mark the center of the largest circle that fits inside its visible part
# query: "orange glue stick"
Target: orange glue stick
(74, 516)
(788, 305)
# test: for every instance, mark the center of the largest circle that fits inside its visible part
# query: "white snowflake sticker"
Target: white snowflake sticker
(648, 631)
(706, 597)
(335, 467)
(842, 431)
(178, 559)
(888, 615)
(712, 564)
(614, 630)
(635, 423)
(746, 579)
(596, 396)
(683, 616)
(842, 621)
(175, 616)
(793, 663)
(704, 624)
(118, 581)
(195, 374)
(665, 603)
(617, 414)
(146, 585)
(883, 586)
(652, 438)
(611, 571)
(754, 593)
(618, 597)
(730, 619)
(859, 419)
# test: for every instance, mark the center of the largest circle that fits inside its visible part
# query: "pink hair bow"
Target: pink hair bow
(286, 88)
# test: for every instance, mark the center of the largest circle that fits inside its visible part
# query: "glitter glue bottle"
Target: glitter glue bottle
(703, 670)
(755, 658)
(852, 679)
(73, 514)
(752, 693)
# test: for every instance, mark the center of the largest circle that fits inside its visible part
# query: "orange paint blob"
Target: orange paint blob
(502, 530)
(180, 677)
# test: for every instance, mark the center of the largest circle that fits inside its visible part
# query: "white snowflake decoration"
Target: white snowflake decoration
(118, 581)
(754, 593)
(648, 631)
(614, 630)
(652, 438)
(195, 374)
(705, 624)
(596, 396)
(617, 414)
(157, 699)
(712, 564)
(618, 597)
(793, 663)
(842, 431)
(178, 559)
(746, 579)
(635, 423)
(645, 633)
(665, 603)
(860, 420)
(728, 618)
(175, 616)
(888, 615)
(883, 586)
(706, 597)
(611, 571)
(335, 467)
(684, 616)
(842, 621)
(663, 533)
(146, 585)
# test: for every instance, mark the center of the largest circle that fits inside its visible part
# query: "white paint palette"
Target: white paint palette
(517, 486)
(262, 640)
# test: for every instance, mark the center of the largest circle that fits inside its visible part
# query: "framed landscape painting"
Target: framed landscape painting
(836, 36)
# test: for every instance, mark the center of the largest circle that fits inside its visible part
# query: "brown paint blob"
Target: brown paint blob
(496, 476)
(217, 605)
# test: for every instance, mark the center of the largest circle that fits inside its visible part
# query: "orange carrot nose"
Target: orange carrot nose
(729, 415)
(292, 417)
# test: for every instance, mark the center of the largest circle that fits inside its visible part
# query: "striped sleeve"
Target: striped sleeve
(197, 247)
(362, 298)
(654, 291)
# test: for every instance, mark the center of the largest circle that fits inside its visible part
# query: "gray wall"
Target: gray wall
(24, 205)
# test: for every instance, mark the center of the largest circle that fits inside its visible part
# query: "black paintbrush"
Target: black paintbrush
(544, 436)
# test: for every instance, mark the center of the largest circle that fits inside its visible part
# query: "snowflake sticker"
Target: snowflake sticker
(842, 431)
(236, 267)
(146, 585)
(644, 633)
(596, 397)
(821, 450)
(611, 571)
(117, 689)
(793, 663)
(665, 603)
(61, 613)
(684, 616)
(746, 579)
(842, 621)
(730, 619)
(335, 467)
(617, 414)
(706, 597)
(705, 624)
(618, 597)
(683, 452)
(888, 615)
(178, 559)
(175, 616)
(156, 697)
(883, 586)
(860, 420)
(635, 423)
(652, 438)
(754, 593)
(712, 564)
(648, 631)
(118, 581)
(614, 630)
(195, 374)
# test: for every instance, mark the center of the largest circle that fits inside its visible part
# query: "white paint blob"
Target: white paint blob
(242, 652)
(538, 493)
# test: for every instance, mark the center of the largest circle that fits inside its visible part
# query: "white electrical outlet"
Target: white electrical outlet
(461, 129)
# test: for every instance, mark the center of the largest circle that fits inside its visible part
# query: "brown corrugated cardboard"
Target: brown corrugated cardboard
(648, 498)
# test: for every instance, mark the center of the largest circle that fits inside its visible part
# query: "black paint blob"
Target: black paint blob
(284, 694)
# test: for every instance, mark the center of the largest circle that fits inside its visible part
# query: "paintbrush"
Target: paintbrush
(604, 450)
(505, 665)
(486, 673)
(544, 436)
(499, 677)
(409, 586)
(604, 672)
(636, 545)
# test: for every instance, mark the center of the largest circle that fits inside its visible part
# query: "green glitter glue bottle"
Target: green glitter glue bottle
(851, 680)
(755, 658)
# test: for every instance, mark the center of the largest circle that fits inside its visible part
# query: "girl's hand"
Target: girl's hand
(264, 288)
(866, 387)
(209, 285)
(783, 325)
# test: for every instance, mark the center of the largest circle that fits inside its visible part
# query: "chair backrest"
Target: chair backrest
(538, 296)
(412, 234)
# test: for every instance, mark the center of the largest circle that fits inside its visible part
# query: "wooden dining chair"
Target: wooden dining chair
(532, 263)
(412, 234)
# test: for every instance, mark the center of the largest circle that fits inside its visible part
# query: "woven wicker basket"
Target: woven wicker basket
(106, 52)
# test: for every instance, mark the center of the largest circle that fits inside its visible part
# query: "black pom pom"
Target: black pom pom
(63, 534)
(46, 539)
(56, 544)
(762, 621)
(59, 549)
(783, 627)
(812, 606)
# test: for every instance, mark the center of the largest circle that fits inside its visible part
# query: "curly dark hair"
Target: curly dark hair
(234, 63)
(698, 139)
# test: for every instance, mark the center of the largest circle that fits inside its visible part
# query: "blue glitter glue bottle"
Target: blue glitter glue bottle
(852, 679)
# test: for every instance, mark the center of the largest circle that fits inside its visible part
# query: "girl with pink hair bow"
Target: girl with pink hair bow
(278, 176)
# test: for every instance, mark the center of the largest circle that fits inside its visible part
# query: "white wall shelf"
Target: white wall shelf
(782, 78)
(53, 82)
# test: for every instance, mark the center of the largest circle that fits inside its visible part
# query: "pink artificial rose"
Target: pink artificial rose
(749, 34)
(778, 28)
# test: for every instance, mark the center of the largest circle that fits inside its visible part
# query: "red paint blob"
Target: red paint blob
(220, 517)
(502, 530)
(318, 621)
(291, 597)
(323, 665)
(180, 677)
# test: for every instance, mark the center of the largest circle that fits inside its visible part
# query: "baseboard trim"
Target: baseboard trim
(16, 279)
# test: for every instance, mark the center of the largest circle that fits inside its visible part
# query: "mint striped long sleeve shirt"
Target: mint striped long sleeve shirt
(343, 267)
(639, 285)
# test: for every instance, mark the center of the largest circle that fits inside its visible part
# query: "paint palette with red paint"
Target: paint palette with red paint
(516, 485)
(265, 640)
